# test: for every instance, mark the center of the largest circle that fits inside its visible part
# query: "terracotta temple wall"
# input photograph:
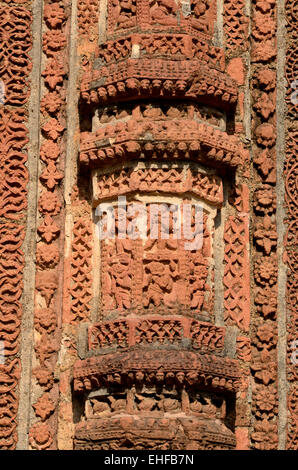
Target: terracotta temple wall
(142, 343)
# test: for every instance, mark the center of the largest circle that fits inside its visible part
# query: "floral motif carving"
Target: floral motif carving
(264, 132)
(265, 264)
(265, 271)
(265, 235)
(45, 320)
(49, 203)
(53, 41)
(48, 229)
(44, 407)
(44, 377)
(265, 435)
(54, 15)
(48, 258)
(40, 436)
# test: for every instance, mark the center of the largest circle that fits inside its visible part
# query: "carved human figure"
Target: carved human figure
(164, 12)
(118, 282)
(196, 406)
(123, 13)
(197, 281)
(152, 112)
(99, 408)
(168, 404)
(209, 408)
(117, 405)
(145, 404)
(199, 10)
(158, 281)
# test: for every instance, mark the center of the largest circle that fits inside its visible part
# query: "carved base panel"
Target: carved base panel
(126, 432)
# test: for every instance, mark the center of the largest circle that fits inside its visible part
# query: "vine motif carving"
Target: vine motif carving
(290, 240)
(14, 55)
(16, 43)
(9, 378)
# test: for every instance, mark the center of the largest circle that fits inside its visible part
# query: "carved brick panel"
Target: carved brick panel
(290, 240)
(124, 333)
(42, 433)
(15, 60)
